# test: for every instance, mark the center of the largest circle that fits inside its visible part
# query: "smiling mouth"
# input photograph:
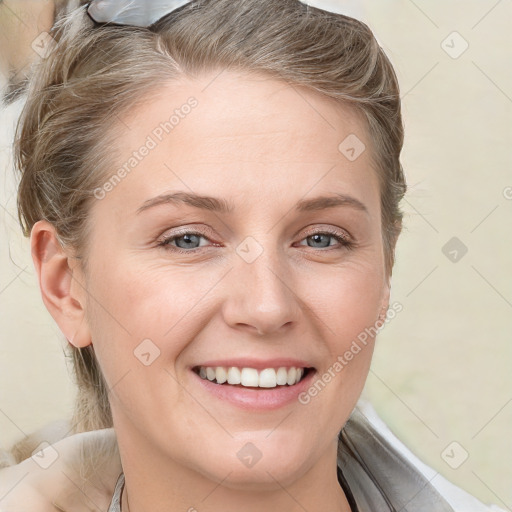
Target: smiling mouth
(251, 378)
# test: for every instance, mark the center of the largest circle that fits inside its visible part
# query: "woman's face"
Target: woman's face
(178, 284)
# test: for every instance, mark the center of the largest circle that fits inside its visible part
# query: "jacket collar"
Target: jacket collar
(380, 476)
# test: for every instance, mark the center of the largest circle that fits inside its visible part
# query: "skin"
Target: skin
(264, 146)
(63, 485)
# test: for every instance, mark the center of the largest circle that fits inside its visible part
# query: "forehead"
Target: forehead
(240, 134)
(244, 106)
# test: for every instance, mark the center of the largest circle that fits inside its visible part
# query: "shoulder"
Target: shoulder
(18, 495)
(77, 473)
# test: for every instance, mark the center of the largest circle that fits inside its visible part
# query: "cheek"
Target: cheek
(137, 310)
(349, 299)
(349, 310)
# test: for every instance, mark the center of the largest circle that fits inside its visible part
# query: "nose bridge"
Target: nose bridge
(261, 287)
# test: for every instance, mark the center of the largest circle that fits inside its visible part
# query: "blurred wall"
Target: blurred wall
(441, 374)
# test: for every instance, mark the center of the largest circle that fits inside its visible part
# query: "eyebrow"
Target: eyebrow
(219, 205)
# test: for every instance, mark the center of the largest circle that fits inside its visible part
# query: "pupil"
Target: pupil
(189, 238)
(317, 237)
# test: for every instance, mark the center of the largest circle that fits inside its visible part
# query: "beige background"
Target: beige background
(441, 371)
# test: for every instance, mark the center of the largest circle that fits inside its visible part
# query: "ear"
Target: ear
(385, 300)
(393, 236)
(61, 283)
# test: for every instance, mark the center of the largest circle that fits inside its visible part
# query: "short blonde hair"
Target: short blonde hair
(96, 72)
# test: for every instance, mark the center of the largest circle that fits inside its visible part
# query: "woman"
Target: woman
(229, 371)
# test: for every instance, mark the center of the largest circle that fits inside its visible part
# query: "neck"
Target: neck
(158, 483)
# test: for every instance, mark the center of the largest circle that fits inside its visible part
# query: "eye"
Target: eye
(187, 241)
(320, 237)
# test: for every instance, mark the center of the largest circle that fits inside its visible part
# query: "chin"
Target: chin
(250, 469)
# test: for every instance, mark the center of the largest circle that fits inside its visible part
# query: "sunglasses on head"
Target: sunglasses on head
(132, 12)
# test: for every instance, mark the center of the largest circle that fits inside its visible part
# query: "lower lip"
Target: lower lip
(260, 398)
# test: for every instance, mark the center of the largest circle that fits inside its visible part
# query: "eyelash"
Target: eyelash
(341, 237)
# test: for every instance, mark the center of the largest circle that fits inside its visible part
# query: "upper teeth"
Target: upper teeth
(250, 377)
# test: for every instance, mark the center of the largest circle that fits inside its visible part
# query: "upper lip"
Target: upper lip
(258, 364)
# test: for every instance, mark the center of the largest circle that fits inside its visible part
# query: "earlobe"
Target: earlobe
(56, 275)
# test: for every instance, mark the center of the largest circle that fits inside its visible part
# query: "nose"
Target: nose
(260, 296)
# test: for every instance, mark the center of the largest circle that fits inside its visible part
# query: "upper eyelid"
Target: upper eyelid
(328, 231)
